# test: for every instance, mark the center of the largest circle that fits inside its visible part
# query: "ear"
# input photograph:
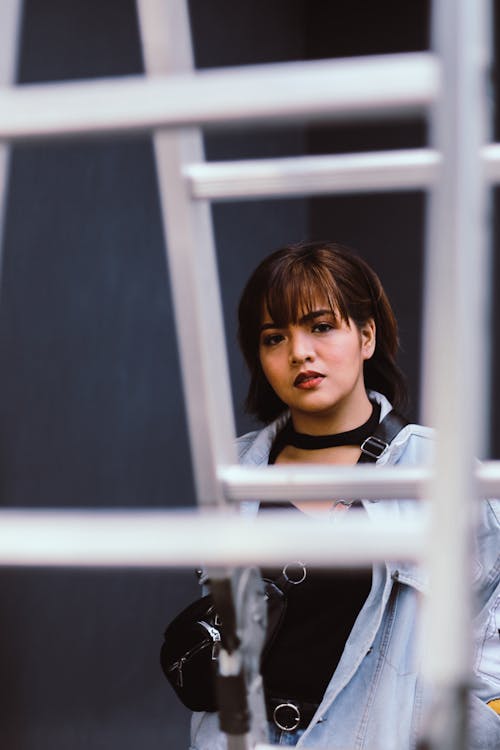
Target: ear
(368, 338)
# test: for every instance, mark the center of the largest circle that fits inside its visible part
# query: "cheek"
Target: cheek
(267, 367)
(271, 368)
(264, 364)
(346, 355)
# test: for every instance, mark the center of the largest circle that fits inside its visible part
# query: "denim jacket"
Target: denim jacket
(375, 698)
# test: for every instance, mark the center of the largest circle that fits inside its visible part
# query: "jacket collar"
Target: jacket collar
(254, 450)
(257, 453)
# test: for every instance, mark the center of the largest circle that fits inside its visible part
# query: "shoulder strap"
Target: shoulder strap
(376, 445)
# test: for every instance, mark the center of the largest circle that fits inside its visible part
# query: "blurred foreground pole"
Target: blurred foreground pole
(10, 23)
(456, 331)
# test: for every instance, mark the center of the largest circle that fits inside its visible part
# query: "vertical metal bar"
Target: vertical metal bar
(454, 368)
(10, 24)
(192, 262)
(193, 270)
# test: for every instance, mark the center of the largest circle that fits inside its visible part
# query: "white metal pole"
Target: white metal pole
(158, 539)
(192, 263)
(323, 482)
(320, 482)
(455, 346)
(405, 169)
(375, 86)
(10, 23)
(200, 333)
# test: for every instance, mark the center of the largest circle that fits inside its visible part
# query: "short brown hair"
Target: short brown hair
(287, 283)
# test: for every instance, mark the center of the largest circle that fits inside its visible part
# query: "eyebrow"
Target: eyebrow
(304, 319)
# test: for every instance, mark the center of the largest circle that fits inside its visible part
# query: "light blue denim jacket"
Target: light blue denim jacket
(375, 699)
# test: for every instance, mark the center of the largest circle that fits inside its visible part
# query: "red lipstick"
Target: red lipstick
(307, 380)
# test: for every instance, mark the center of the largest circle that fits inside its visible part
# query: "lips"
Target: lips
(309, 379)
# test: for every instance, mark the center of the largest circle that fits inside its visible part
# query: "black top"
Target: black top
(319, 617)
(318, 620)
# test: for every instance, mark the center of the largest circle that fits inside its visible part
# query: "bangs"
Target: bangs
(296, 291)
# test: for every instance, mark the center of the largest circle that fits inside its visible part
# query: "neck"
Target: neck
(288, 439)
(341, 419)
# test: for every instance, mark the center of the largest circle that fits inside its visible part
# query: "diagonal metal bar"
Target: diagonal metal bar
(192, 263)
(200, 329)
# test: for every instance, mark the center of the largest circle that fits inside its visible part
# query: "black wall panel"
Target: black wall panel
(91, 404)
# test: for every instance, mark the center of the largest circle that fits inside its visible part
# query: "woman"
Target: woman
(320, 340)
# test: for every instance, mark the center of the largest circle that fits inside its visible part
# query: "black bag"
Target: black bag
(192, 641)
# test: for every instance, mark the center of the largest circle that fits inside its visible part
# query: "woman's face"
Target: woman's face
(316, 365)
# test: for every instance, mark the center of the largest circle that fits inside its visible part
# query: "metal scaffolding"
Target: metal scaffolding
(173, 102)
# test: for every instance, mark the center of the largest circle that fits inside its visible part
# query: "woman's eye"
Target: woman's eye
(322, 327)
(272, 339)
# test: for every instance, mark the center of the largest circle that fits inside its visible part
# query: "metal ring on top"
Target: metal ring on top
(302, 576)
(286, 716)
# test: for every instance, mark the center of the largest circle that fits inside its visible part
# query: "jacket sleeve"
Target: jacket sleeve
(487, 620)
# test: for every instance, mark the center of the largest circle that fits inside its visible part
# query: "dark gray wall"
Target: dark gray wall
(386, 228)
(91, 409)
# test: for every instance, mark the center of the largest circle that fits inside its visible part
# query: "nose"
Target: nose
(301, 349)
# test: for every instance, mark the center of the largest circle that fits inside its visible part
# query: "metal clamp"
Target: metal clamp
(374, 446)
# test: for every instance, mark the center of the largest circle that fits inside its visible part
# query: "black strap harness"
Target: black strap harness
(375, 445)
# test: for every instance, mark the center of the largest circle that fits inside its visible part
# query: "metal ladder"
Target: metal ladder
(174, 102)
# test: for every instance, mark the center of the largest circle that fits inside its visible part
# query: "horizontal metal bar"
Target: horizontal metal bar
(176, 539)
(488, 478)
(305, 175)
(372, 85)
(311, 482)
(491, 162)
(320, 482)
(405, 169)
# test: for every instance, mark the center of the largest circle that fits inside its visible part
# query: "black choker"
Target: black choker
(288, 436)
